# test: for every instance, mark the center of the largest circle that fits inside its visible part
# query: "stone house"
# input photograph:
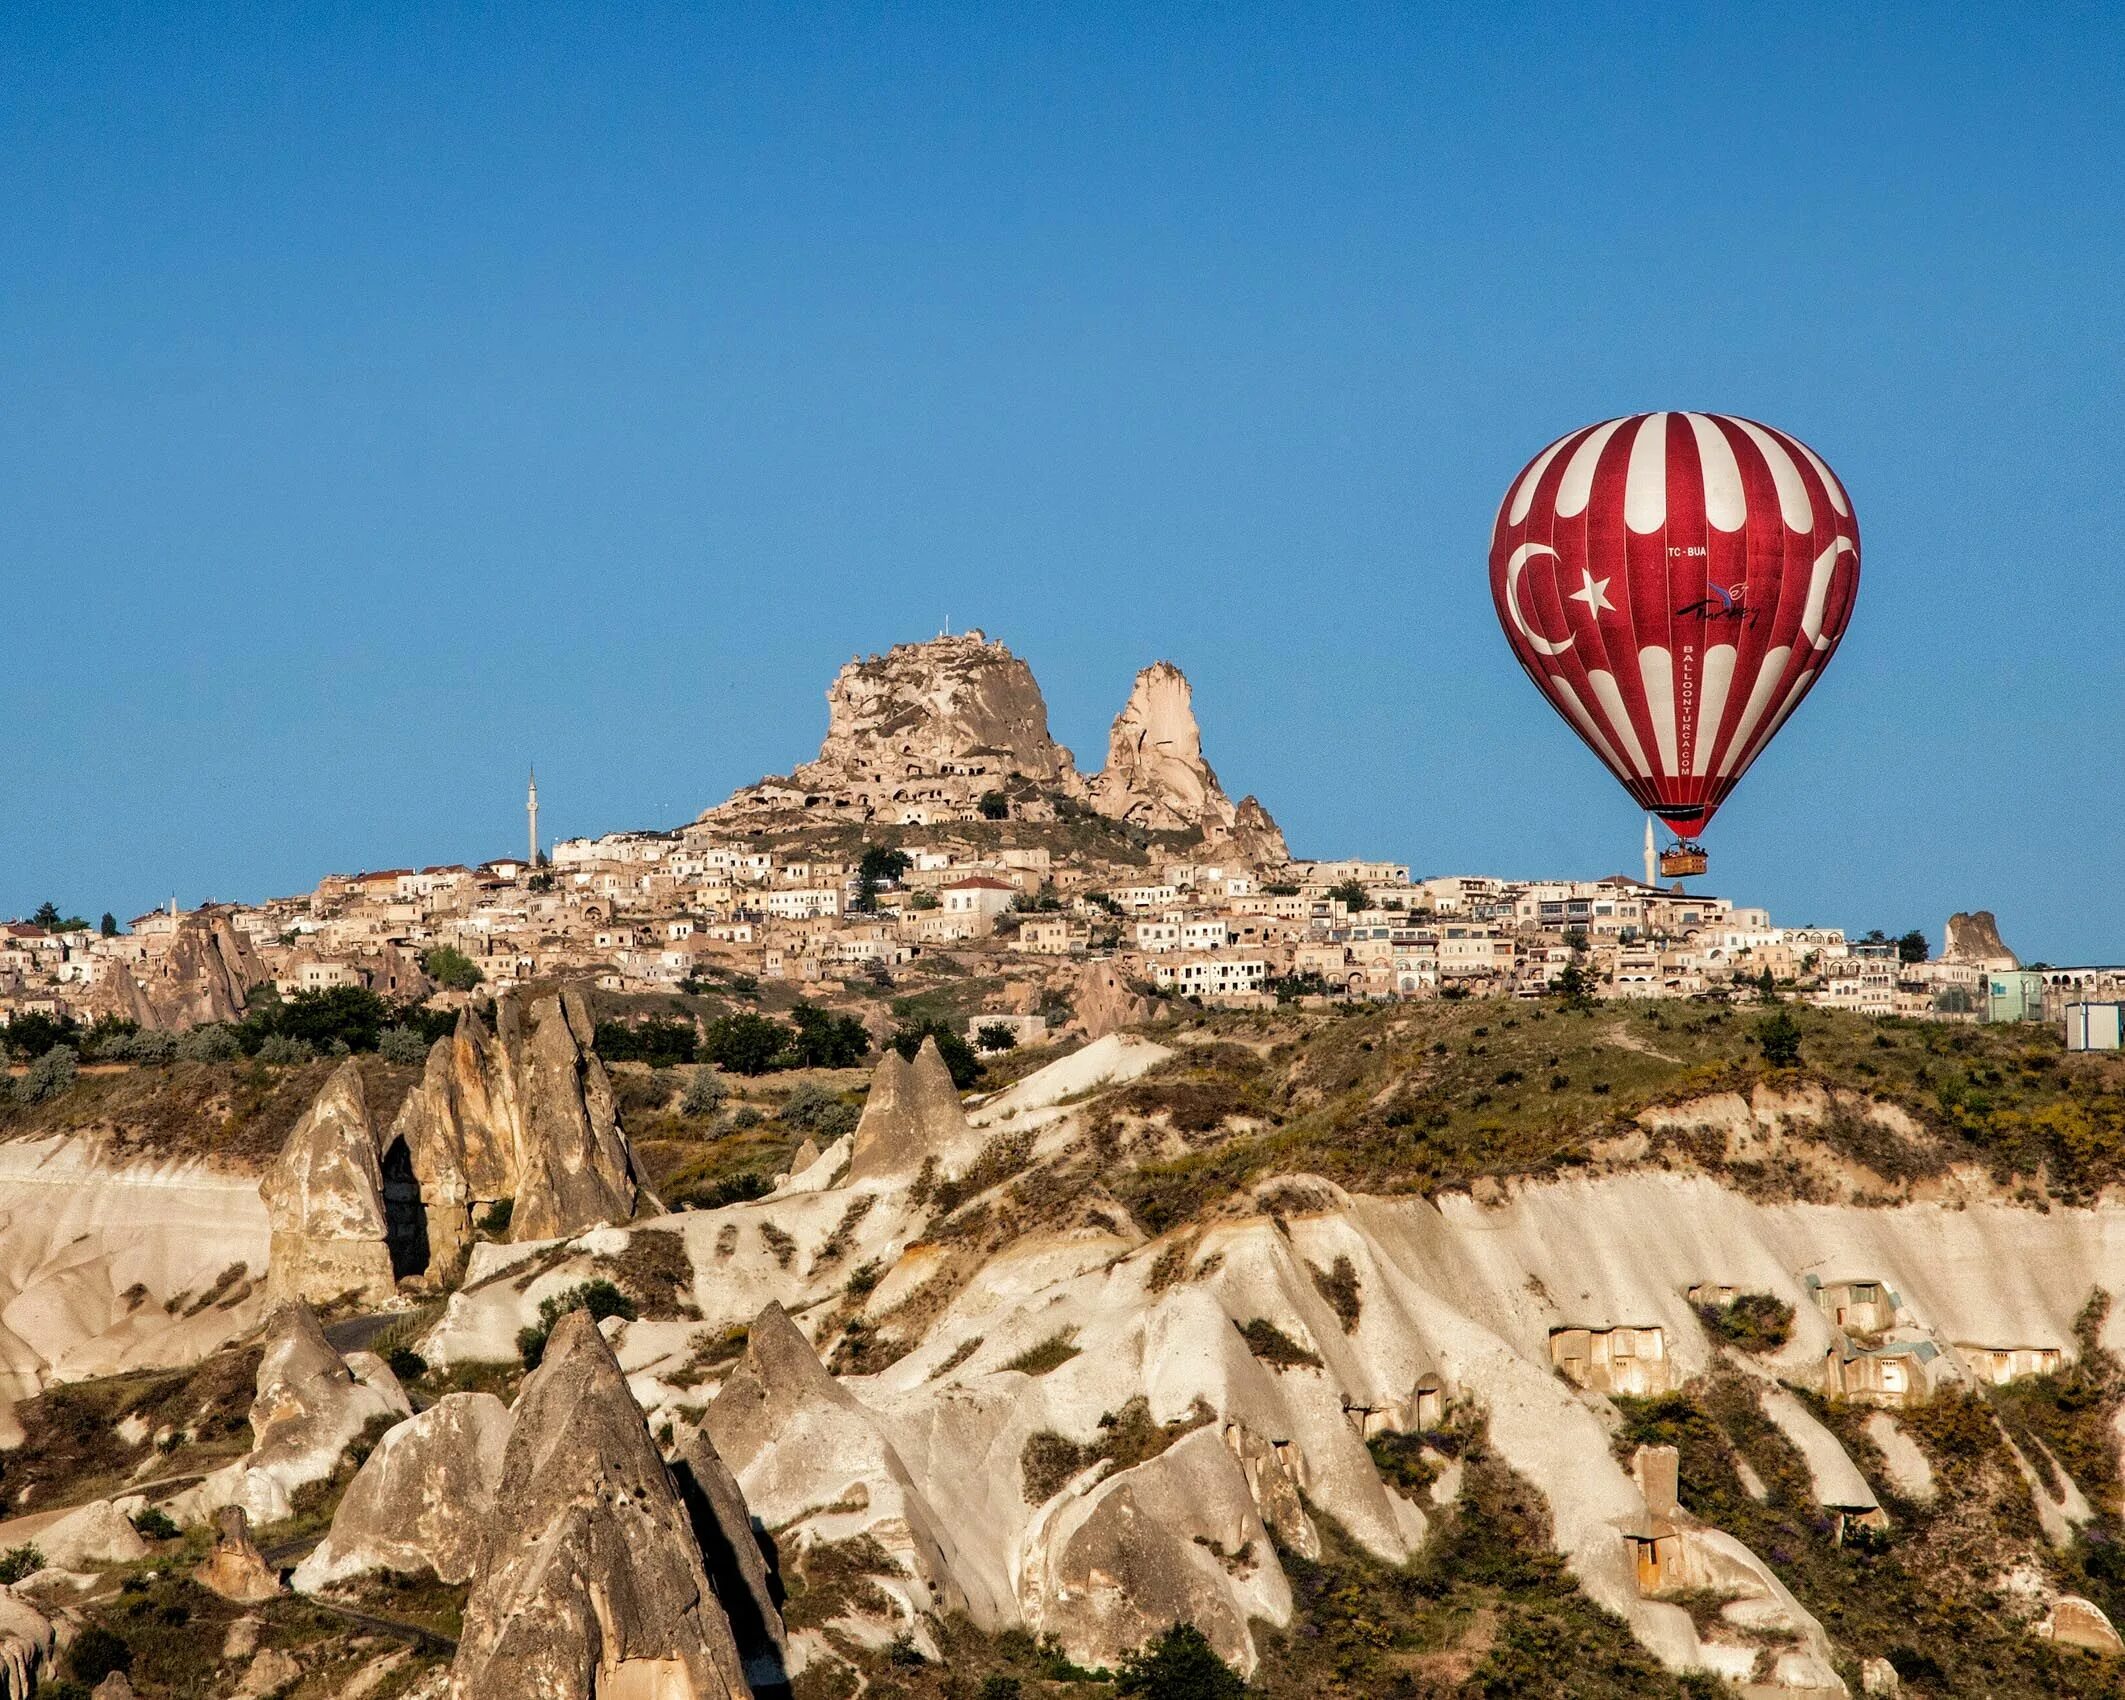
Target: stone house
(1625, 1358)
(1857, 1306)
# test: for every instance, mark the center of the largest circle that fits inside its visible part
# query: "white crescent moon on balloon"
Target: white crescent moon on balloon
(1519, 559)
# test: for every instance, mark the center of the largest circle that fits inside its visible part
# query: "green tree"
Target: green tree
(745, 1043)
(827, 1040)
(1178, 1665)
(1778, 1037)
(879, 866)
(657, 1040)
(451, 968)
(47, 916)
(1766, 987)
(959, 1058)
(996, 1036)
(108, 926)
(1911, 947)
(1351, 894)
(1575, 986)
(995, 806)
(32, 1033)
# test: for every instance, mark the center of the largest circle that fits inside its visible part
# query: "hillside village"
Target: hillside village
(942, 832)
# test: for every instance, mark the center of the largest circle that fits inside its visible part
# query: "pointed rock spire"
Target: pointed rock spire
(325, 1197)
(913, 1112)
(590, 1582)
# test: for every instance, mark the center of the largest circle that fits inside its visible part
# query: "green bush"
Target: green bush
(401, 1044)
(600, 1297)
(745, 1043)
(51, 1074)
(286, 1048)
(156, 1524)
(1755, 1322)
(657, 1040)
(704, 1093)
(212, 1041)
(1178, 1665)
(98, 1652)
(451, 968)
(18, 1562)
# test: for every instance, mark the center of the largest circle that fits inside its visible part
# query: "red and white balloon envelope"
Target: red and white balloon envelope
(1675, 583)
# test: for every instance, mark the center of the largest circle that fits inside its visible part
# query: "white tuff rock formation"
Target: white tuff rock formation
(423, 1499)
(325, 1195)
(524, 1111)
(923, 727)
(1975, 939)
(1457, 1303)
(311, 1406)
(590, 1582)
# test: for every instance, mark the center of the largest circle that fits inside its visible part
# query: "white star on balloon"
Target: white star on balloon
(1594, 593)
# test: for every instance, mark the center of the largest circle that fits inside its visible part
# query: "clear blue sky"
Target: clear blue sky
(397, 395)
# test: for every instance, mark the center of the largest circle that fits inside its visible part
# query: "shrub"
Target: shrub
(1274, 1347)
(1338, 1284)
(1052, 1353)
(1778, 1037)
(1178, 1665)
(657, 1040)
(998, 1685)
(826, 1040)
(156, 1524)
(406, 1363)
(996, 1036)
(18, 1562)
(51, 1074)
(495, 1219)
(450, 967)
(98, 1652)
(213, 1041)
(746, 1116)
(745, 1043)
(1755, 1322)
(32, 1033)
(959, 1058)
(286, 1048)
(150, 1046)
(402, 1045)
(813, 1109)
(704, 1093)
(600, 1297)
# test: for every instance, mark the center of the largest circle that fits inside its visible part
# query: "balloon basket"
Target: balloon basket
(1680, 861)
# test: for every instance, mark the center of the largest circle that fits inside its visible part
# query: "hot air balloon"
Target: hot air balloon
(1675, 583)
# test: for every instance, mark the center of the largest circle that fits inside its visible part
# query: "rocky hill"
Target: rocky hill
(1518, 1350)
(956, 727)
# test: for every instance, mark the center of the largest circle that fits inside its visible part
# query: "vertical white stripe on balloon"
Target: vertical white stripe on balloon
(1712, 703)
(1820, 572)
(1770, 731)
(1656, 671)
(1523, 495)
(1829, 480)
(1562, 692)
(1767, 677)
(1645, 482)
(1619, 719)
(1793, 500)
(1578, 485)
(1726, 500)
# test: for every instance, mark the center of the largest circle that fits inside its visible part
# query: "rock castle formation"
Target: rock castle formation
(1975, 939)
(927, 731)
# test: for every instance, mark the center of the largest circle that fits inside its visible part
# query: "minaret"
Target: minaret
(1652, 861)
(531, 813)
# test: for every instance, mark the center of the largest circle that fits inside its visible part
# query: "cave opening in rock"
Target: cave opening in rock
(405, 1216)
